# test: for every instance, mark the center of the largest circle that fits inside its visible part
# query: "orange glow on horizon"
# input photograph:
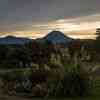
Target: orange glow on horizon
(81, 27)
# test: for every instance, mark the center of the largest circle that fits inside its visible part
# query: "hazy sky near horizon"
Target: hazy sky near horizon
(35, 18)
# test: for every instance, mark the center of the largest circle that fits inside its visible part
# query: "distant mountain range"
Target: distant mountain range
(14, 40)
(54, 37)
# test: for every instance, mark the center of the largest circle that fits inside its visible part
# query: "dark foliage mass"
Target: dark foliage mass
(76, 83)
(47, 84)
(44, 69)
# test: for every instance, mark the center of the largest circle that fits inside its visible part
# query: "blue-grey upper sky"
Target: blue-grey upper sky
(27, 15)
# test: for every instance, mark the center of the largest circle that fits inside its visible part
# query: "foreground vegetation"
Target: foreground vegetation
(48, 71)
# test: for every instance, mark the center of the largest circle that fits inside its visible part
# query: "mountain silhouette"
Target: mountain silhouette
(14, 40)
(56, 37)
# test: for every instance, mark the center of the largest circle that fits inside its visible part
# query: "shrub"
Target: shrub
(74, 83)
(19, 80)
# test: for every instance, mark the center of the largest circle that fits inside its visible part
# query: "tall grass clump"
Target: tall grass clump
(74, 83)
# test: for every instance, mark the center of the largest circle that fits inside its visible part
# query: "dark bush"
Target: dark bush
(74, 83)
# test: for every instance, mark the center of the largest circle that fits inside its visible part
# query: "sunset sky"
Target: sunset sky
(35, 18)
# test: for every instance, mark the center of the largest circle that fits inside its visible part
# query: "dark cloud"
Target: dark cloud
(23, 12)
